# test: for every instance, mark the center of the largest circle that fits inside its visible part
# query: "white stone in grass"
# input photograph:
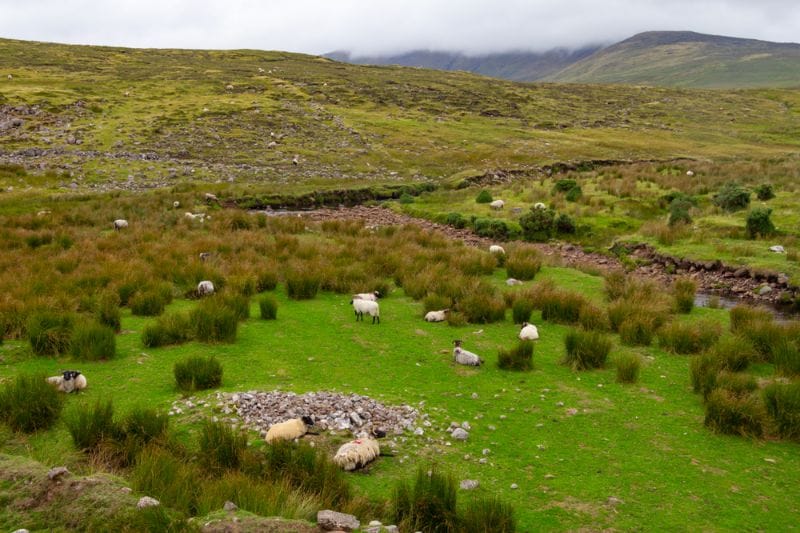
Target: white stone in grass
(469, 484)
(514, 486)
(147, 501)
(460, 434)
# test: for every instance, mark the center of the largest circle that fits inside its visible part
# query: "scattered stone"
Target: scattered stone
(19, 530)
(57, 472)
(770, 460)
(613, 501)
(469, 484)
(474, 395)
(126, 490)
(375, 523)
(549, 476)
(230, 506)
(147, 501)
(329, 520)
(460, 434)
(392, 529)
(764, 289)
(514, 486)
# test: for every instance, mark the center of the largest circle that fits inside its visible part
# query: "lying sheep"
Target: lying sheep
(539, 205)
(357, 453)
(194, 216)
(69, 381)
(528, 332)
(204, 256)
(366, 306)
(497, 204)
(120, 223)
(289, 429)
(497, 249)
(513, 281)
(205, 288)
(373, 296)
(436, 316)
(463, 357)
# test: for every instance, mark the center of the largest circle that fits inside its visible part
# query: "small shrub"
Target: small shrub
(517, 358)
(197, 373)
(302, 284)
(147, 303)
(732, 197)
(456, 320)
(435, 302)
(406, 198)
(734, 353)
(266, 280)
(49, 333)
(703, 370)
(783, 405)
(268, 306)
(637, 331)
(173, 328)
(523, 263)
(628, 366)
(89, 426)
(108, 312)
(734, 415)
(521, 309)
(429, 505)
(759, 223)
(564, 186)
(684, 290)
(482, 308)
(615, 284)
(743, 316)
(492, 228)
(538, 225)
(457, 220)
(214, 322)
(29, 403)
(591, 317)
(737, 384)
(484, 197)
(562, 307)
(786, 357)
(765, 337)
(143, 425)
(221, 447)
(92, 342)
(764, 192)
(688, 338)
(586, 349)
(488, 514)
(238, 303)
(565, 225)
(574, 194)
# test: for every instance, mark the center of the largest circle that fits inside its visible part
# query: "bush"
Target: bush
(214, 322)
(492, 228)
(457, 220)
(89, 426)
(221, 447)
(92, 342)
(49, 333)
(734, 353)
(108, 312)
(266, 280)
(435, 302)
(586, 349)
(429, 505)
(197, 373)
(564, 185)
(679, 211)
(732, 197)
(764, 192)
(482, 307)
(688, 338)
(783, 405)
(765, 337)
(29, 403)
(269, 307)
(574, 194)
(238, 303)
(736, 383)
(517, 358)
(147, 303)
(173, 328)
(636, 330)
(628, 366)
(684, 290)
(563, 307)
(703, 370)
(523, 263)
(565, 225)
(302, 284)
(786, 357)
(143, 425)
(759, 223)
(592, 317)
(484, 197)
(742, 316)
(488, 514)
(734, 415)
(521, 309)
(406, 198)
(538, 225)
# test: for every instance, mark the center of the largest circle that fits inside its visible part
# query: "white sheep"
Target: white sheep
(204, 256)
(357, 453)
(120, 223)
(289, 429)
(68, 381)
(497, 204)
(690, 173)
(296, 160)
(194, 216)
(176, 204)
(463, 357)
(436, 316)
(205, 288)
(366, 306)
(513, 281)
(211, 198)
(539, 205)
(497, 249)
(372, 296)
(528, 332)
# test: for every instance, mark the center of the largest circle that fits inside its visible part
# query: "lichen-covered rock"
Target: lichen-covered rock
(329, 520)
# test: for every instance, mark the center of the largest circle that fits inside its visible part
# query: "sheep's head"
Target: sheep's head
(307, 420)
(525, 324)
(377, 294)
(378, 433)
(457, 343)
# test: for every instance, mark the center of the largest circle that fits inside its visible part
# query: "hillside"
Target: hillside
(688, 59)
(514, 66)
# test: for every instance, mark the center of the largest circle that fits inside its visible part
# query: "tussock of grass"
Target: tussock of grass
(688, 338)
(518, 358)
(29, 403)
(197, 373)
(586, 350)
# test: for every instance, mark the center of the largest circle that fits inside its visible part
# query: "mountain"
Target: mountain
(688, 59)
(515, 66)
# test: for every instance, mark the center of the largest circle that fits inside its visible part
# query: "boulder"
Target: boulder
(460, 434)
(469, 484)
(57, 472)
(147, 501)
(329, 520)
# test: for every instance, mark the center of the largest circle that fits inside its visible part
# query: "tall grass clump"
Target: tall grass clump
(703, 370)
(303, 283)
(268, 306)
(737, 383)
(518, 358)
(586, 349)
(743, 316)
(782, 402)
(488, 514)
(688, 338)
(172, 328)
(238, 303)
(266, 280)
(786, 356)
(731, 414)
(108, 312)
(137, 429)
(684, 290)
(221, 447)
(560, 306)
(50, 332)
(90, 425)
(435, 302)
(147, 303)
(734, 353)
(521, 310)
(592, 317)
(484, 197)
(92, 342)
(197, 373)
(29, 403)
(264, 498)
(523, 263)
(214, 322)
(482, 307)
(428, 505)
(637, 331)
(175, 482)
(628, 366)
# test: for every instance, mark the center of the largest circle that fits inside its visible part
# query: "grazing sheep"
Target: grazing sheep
(497, 204)
(260, 70)
(176, 204)
(357, 453)
(211, 198)
(68, 381)
(289, 429)
(205, 288)
(539, 205)
(366, 306)
(372, 296)
(528, 332)
(463, 357)
(120, 223)
(496, 249)
(436, 316)
(194, 216)
(513, 281)
(296, 160)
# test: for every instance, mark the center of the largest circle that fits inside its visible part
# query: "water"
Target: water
(781, 313)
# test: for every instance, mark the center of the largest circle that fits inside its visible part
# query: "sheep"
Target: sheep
(211, 198)
(204, 256)
(205, 288)
(497, 204)
(194, 216)
(68, 381)
(528, 332)
(497, 249)
(366, 306)
(463, 357)
(120, 223)
(539, 205)
(176, 204)
(690, 173)
(513, 281)
(357, 453)
(372, 296)
(296, 160)
(436, 316)
(289, 429)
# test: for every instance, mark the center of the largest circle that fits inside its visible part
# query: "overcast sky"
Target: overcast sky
(378, 26)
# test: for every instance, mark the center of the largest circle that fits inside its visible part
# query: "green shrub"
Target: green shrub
(538, 225)
(303, 284)
(732, 197)
(574, 194)
(736, 383)
(29, 403)
(523, 263)
(482, 307)
(147, 303)
(49, 332)
(92, 342)
(266, 280)
(492, 228)
(564, 186)
(786, 356)
(628, 366)
(108, 312)
(197, 373)
(518, 358)
(172, 328)
(521, 309)
(406, 198)
(679, 212)
(484, 197)
(765, 337)
(238, 303)
(759, 223)
(435, 302)
(783, 405)
(637, 331)
(684, 290)
(734, 353)
(175, 482)
(89, 426)
(488, 514)
(457, 220)
(742, 316)
(268, 306)
(214, 322)
(221, 447)
(592, 317)
(562, 307)
(429, 505)
(689, 338)
(565, 225)
(734, 415)
(586, 349)
(703, 370)
(764, 192)
(456, 320)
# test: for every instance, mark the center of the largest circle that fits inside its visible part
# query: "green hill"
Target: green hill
(688, 59)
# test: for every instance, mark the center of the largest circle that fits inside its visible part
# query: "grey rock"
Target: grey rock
(392, 529)
(469, 484)
(613, 501)
(329, 520)
(374, 523)
(764, 289)
(54, 473)
(21, 531)
(778, 249)
(230, 506)
(514, 486)
(460, 434)
(147, 501)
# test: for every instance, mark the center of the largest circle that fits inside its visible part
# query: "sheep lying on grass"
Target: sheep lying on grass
(120, 223)
(372, 296)
(290, 429)
(357, 453)
(194, 216)
(68, 381)
(436, 316)
(496, 249)
(463, 357)
(497, 204)
(205, 288)
(528, 332)
(539, 205)
(366, 306)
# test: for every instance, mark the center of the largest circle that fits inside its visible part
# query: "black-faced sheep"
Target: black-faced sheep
(528, 332)
(374, 295)
(357, 453)
(436, 316)
(463, 357)
(205, 288)
(539, 205)
(290, 429)
(68, 381)
(120, 223)
(366, 306)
